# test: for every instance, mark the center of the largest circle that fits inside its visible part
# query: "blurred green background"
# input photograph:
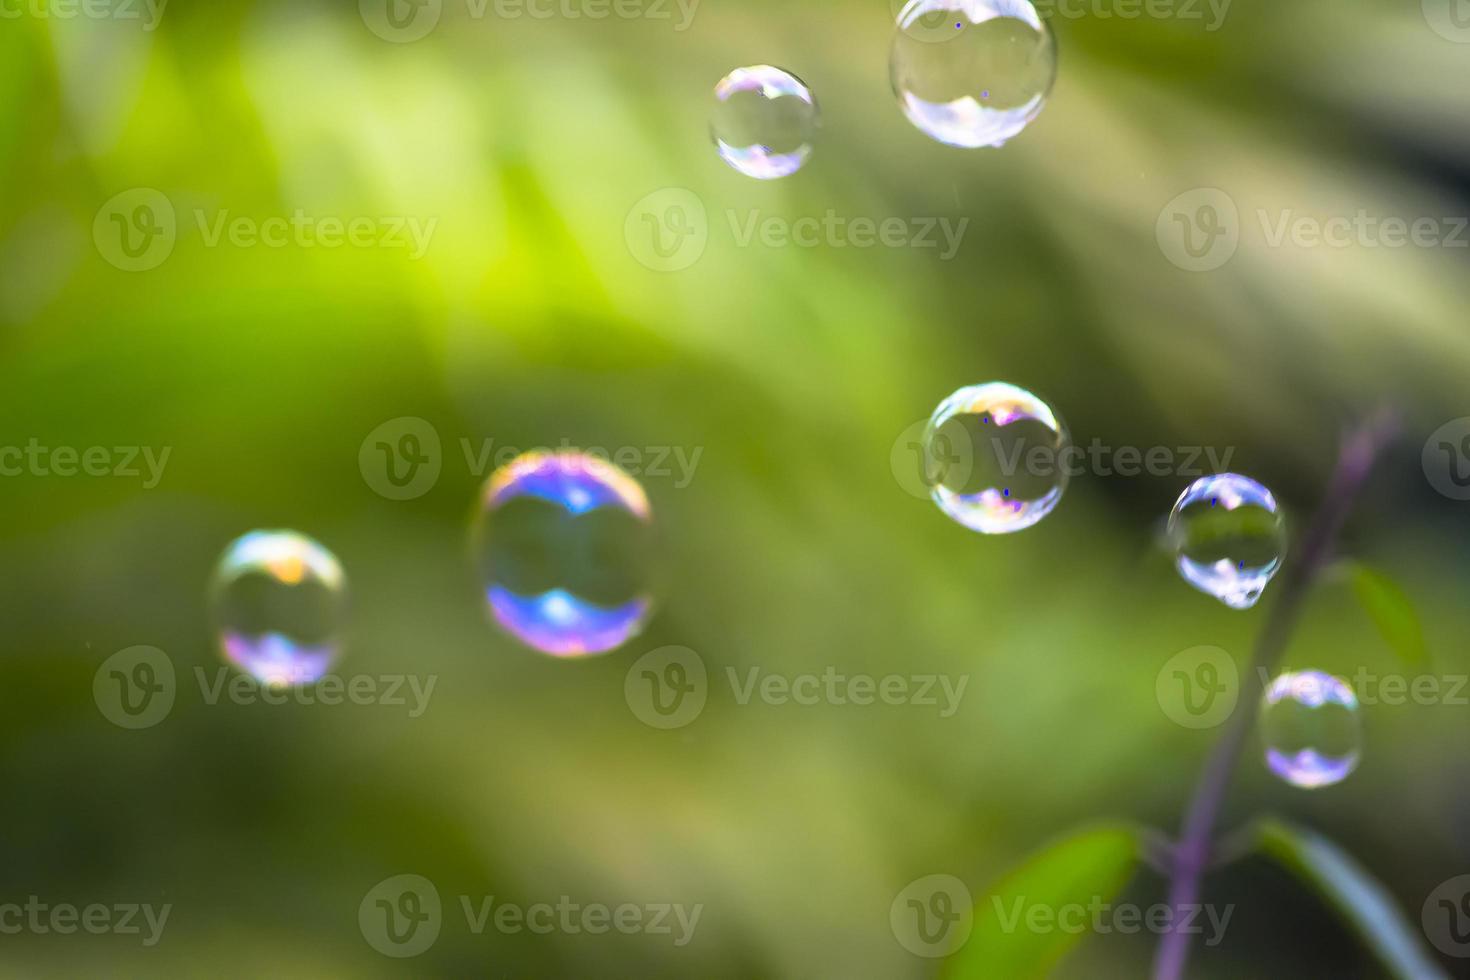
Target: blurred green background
(531, 320)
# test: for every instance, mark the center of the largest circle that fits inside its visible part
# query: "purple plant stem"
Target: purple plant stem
(1192, 854)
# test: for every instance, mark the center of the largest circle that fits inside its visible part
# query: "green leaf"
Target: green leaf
(1358, 897)
(1091, 866)
(1391, 611)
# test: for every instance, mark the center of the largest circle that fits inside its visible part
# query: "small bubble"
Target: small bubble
(563, 547)
(1312, 728)
(763, 122)
(1231, 548)
(1003, 50)
(1009, 479)
(279, 602)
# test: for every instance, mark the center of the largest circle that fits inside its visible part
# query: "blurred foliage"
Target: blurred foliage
(794, 548)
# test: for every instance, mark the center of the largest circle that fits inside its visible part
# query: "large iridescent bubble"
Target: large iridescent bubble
(279, 602)
(1312, 727)
(972, 73)
(994, 457)
(763, 121)
(1229, 538)
(563, 542)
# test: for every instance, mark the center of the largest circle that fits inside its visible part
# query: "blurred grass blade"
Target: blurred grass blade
(1091, 866)
(1354, 893)
(1392, 613)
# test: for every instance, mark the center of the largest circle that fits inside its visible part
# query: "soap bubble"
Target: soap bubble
(763, 121)
(972, 73)
(563, 542)
(1313, 729)
(992, 458)
(1228, 537)
(279, 602)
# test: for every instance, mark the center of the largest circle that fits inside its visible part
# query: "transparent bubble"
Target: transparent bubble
(763, 121)
(994, 458)
(563, 542)
(279, 603)
(1228, 537)
(972, 73)
(1313, 728)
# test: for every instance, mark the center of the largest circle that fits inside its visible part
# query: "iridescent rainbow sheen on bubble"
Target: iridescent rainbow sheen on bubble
(575, 481)
(287, 555)
(289, 560)
(563, 625)
(1309, 692)
(973, 119)
(277, 661)
(758, 159)
(557, 621)
(995, 510)
(1238, 584)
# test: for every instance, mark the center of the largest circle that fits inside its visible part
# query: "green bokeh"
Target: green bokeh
(520, 146)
